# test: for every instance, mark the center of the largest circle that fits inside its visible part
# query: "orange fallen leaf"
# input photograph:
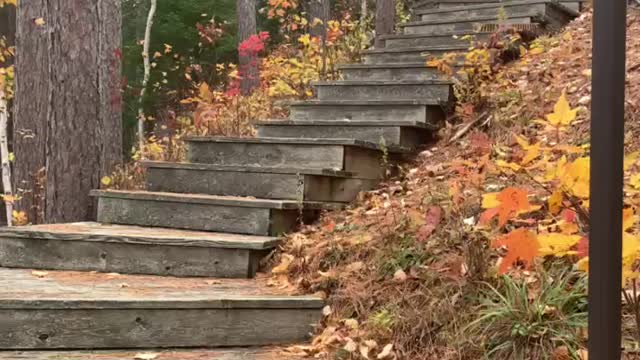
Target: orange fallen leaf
(522, 246)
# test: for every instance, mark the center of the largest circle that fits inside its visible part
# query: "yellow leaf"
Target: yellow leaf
(628, 219)
(39, 21)
(490, 201)
(562, 114)
(536, 51)
(576, 177)
(555, 202)
(508, 165)
(557, 244)
(583, 264)
(533, 151)
(631, 160)
(635, 181)
(106, 181)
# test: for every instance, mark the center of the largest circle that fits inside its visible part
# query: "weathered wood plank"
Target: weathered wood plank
(68, 290)
(381, 90)
(128, 258)
(391, 135)
(192, 216)
(74, 310)
(161, 328)
(219, 180)
(95, 232)
(174, 354)
(203, 199)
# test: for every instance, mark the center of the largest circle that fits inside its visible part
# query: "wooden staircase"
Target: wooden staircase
(174, 266)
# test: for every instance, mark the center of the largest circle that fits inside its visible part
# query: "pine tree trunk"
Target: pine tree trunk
(67, 129)
(249, 72)
(385, 20)
(318, 10)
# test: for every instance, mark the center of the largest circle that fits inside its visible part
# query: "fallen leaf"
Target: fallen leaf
(39, 274)
(400, 276)
(146, 356)
(521, 244)
(562, 114)
(386, 352)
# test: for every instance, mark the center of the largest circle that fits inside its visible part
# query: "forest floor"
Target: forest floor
(411, 271)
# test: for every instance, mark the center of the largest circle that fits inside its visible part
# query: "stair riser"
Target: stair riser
(440, 92)
(399, 74)
(259, 185)
(406, 137)
(128, 258)
(509, 11)
(419, 113)
(194, 216)
(460, 26)
(364, 163)
(130, 328)
(404, 57)
(447, 40)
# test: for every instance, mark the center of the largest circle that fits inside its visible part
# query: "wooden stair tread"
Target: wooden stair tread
(247, 169)
(175, 354)
(96, 232)
(26, 289)
(214, 200)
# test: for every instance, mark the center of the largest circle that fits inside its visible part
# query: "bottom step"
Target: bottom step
(227, 354)
(74, 310)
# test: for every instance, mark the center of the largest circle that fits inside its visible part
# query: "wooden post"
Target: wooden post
(607, 157)
(385, 20)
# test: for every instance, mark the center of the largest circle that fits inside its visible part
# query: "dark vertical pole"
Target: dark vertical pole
(607, 153)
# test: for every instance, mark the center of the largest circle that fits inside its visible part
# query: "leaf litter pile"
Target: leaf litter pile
(478, 249)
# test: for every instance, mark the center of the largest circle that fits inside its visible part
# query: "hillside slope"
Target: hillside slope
(419, 269)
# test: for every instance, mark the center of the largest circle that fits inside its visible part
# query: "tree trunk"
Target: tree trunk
(364, 11)
(318, 10)
(68, 129)
(8, 28)
(249, 71)
(385, 20)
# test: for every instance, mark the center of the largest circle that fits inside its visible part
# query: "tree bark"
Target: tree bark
(147, 73)
(247, 26)
(8, 28)
(318, 10)
(385, 20)
(67, 131)
(364, 11)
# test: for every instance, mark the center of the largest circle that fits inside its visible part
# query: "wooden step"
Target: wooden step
(454, 38)
(419, 71)
(574, 5)
(255, 181)
(204, 212)
(468, 24)
(551, 15)
(434, 90)
(421, 111)
(132, 250)
(411, 54)
(510, 9)
(173, 354)
(405, 134)
(80, 310)
(362, 159)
